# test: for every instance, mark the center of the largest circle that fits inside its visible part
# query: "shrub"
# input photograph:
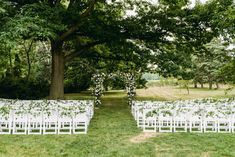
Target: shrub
(21, 88)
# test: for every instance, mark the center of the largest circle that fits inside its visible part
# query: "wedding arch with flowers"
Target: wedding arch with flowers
(128, 77)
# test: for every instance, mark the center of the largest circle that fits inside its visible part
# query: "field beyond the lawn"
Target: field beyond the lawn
(113, 133)
(177, 93)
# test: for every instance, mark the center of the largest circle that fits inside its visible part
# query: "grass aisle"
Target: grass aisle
(113, 133)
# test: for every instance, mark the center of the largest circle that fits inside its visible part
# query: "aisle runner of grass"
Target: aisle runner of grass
(113, 133)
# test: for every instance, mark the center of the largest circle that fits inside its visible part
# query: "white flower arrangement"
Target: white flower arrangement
(130, 87)
(130, 84)
(98, 80)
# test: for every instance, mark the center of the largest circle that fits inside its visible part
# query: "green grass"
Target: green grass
(109, 135)
(176, 93)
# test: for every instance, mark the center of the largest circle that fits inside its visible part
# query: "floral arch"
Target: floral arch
(128, 77)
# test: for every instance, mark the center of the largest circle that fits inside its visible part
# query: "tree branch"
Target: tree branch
(82, 50)
(75, 27)
(96, 56)
(71, 3)
(28, 57)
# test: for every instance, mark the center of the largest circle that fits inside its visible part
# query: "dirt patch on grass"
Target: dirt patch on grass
(206, 154)
(143, 137)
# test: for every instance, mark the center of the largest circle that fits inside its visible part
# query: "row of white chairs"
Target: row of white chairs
(187, 124)
(138, 106)
(185, 116)
(45, 117)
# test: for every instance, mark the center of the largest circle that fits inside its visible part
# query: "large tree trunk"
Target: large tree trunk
(202, 85)
(217, 85)
(187, 87)
(29, 66)
(57, 74)
(27, 51)
(10, 60)
(195, 84)
(210, 85)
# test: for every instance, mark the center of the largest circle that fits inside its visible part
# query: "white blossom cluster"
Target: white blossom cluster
(130, 87)
(98, 80)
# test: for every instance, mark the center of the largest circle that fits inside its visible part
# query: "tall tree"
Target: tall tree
(76, 27)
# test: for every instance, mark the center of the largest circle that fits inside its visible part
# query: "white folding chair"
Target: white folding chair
(224, 125)
(149, 121)
(50, 122)
(180, 122)
(195, 124)
(165, 121)
(139, 118)
(35, 122)
(210, 124)
(20, 121)
(5, 123)
(79, 123)
(64, 123)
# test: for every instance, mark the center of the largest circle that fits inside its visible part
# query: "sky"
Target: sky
(203, 1)
(193, 1)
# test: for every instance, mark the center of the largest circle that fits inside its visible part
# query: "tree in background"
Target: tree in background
(228, 70)
(208, 65)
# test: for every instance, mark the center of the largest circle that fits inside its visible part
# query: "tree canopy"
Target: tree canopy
(162, 34)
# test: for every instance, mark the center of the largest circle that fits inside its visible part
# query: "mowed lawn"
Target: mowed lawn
(113, 133)
(176, 93)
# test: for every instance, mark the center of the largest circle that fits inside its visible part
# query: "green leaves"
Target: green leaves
(37, 20)
(165, 35)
